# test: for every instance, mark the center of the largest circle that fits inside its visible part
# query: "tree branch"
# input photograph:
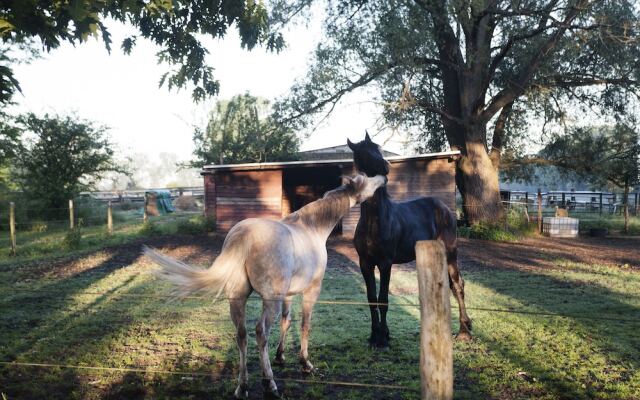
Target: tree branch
(517, 88)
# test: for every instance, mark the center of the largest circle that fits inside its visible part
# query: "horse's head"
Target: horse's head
(361, 187)
(367, 157)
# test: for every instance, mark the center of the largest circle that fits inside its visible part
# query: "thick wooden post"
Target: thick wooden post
(436, 343)
(71, 218)
(145, 216)
(109, 219)
(12, 227)
(539, 211)
(600, 203)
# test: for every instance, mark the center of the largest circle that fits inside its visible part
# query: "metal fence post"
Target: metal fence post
(71, 218)
(12, 227)
(436, 343)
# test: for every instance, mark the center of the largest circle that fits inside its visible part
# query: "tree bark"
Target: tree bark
(498, 136)
(478, 184)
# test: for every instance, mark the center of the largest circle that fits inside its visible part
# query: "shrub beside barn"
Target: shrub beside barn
(274, 190)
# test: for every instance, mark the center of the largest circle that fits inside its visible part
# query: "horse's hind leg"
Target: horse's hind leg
(309, 298)
(270, 309)
(237, 306)
(456, 283)
(285, 323)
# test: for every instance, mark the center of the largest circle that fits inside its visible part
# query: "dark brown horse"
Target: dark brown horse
(387, 233)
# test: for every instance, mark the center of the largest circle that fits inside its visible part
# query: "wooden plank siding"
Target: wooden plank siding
(273, 190)
(247, 194)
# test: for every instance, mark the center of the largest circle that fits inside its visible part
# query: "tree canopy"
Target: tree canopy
(446, 70)
(59, 157)
(604, 155)
(176, 26)
(240, 130)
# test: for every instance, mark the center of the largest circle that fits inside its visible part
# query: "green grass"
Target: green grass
(102, 310)
(614, 223)
(56, 240)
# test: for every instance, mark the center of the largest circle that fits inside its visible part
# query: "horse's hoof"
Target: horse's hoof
(464, 336)
(307, 367)
(241, 392)
(279, 360)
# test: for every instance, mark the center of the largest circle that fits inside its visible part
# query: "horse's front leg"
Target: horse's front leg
(367, 270)
(383, 299)
(309, 298)
(456, 283)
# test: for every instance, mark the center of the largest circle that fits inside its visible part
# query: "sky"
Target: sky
(122, 91)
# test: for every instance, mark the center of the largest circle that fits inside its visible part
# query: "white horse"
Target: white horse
(277, 259)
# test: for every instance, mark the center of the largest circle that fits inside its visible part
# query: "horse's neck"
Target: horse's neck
(376, 206)
(376, 216)
(322, 215)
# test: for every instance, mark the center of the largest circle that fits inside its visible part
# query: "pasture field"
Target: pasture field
(552, 319)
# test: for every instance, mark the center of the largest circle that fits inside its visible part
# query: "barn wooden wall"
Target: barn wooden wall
(410, 179)
(246, 194)
(235, 195)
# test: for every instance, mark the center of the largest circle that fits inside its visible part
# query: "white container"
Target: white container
(563, 227)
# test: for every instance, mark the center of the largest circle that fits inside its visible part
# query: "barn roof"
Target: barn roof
(209, 169)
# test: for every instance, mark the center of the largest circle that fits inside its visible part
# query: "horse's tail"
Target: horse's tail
(227, 270)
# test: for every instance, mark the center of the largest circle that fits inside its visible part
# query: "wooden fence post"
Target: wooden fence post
(436, 343)
(71, 219)
(145, 216)
(539, 211)
(12, 227)
(109, 219)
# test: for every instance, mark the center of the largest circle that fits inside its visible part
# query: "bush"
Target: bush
(150, 229)
(127, 205)
(487, 232)
(73, 238)
(197, 226)
(186, 203)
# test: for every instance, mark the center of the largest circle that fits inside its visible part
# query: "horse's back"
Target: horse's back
(280, 258)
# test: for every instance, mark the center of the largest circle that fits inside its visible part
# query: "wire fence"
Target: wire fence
(28, 230)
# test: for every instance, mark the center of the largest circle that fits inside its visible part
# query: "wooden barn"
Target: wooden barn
(273, 190)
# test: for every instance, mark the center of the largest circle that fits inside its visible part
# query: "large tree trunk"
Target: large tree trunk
(477, 181)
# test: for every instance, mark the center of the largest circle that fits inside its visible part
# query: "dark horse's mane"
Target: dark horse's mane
(387, 233)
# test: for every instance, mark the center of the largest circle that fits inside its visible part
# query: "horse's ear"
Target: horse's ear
(351, 145)
(366, 137)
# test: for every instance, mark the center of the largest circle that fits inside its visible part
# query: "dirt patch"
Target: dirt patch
(536, 253)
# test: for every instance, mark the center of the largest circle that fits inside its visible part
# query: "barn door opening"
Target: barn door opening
(303, 185)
